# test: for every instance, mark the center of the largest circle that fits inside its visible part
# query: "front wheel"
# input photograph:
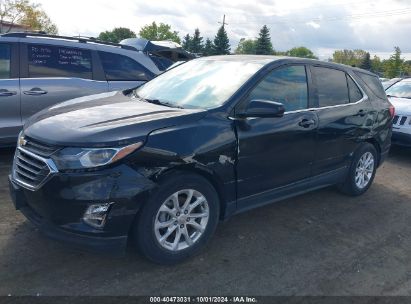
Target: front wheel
(178, 219)
(362, 171)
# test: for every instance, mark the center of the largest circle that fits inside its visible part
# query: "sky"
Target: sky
(321, 25)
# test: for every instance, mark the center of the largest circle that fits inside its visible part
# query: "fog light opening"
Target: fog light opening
(96, 214)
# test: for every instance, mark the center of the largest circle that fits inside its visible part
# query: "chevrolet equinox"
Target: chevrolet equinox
(162, 164)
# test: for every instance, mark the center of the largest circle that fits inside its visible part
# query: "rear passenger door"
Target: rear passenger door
(10, 120)
(123, 72)
(342, 110)
(53, 73)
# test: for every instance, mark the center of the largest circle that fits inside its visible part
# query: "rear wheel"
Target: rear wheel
(178, 219)
(362, 171)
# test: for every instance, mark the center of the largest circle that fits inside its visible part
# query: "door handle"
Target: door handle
(361, 113)
(5, 93)
(306, 123)
(35, 91)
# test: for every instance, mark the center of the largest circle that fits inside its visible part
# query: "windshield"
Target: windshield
(198, 83)
(400, 89)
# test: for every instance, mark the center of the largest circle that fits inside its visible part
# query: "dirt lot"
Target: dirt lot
(322, 243)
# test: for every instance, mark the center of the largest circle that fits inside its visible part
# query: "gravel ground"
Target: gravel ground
(322, 243)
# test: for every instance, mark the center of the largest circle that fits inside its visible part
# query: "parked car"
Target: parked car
(37, 71)
(211, 138)
(389, 82)
(163, 53)
(400, 96)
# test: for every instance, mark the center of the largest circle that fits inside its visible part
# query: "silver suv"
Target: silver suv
(37, 71)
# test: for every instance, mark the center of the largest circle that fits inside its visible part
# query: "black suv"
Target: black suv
(216, 136)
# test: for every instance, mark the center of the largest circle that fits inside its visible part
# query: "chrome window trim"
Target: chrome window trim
(49, 163)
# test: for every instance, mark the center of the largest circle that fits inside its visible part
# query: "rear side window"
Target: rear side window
(55, 61)
(4, 61)
(119, 67)
(355, 92)
(373, 83)
(287, 85)
(331, 86)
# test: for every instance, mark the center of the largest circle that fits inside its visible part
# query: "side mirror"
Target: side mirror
(263, 108)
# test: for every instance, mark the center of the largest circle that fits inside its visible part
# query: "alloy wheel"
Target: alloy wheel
(364, 170)
(181, 220)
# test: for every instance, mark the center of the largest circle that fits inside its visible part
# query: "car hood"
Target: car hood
(107, 119)
(402, 105)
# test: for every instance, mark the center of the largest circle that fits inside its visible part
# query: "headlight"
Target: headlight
(84, 158)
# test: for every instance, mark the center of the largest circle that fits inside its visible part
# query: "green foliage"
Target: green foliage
(221, 43)
(376, 65)
(196, 42)
(264, 45)
(116, 35)
(366, 63)
(24, 12)
(186, 42)
(208, 48)
(302, 52)
(349, 57)
(159, 32)
(246, 46)
(393, 66)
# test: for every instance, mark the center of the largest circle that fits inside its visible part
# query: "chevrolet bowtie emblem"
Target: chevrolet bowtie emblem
(22, 141)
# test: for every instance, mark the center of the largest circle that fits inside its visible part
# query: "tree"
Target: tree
(366, 63)
(197, 42)
(349, 57)
(393, 66)
(264, 46)
(221, 43)
(159, 32)
(208, 48)
(246, 46)
(187, 42)
(23, 12)
(116, 35)
(376, 65)
(302, 52)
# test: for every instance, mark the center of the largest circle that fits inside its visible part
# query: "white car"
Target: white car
(399, 95)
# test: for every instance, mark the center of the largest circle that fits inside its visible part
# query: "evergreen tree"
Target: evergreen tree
(393, 66)
(366, 62)
(208, 48)
(187, 43)
(264, 46)
(197, 42)
(221, 42)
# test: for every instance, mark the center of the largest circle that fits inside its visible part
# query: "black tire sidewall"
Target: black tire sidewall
(143, 229)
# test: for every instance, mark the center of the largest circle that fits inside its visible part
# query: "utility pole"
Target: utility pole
(223, 23)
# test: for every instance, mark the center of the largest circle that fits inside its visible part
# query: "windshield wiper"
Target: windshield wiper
(157, 102)
(161, 103)
(407, 97)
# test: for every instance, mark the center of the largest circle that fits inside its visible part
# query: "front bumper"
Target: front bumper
(401, 139)
(57, 208)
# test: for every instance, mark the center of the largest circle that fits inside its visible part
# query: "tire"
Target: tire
(352, 185)
(153, 241)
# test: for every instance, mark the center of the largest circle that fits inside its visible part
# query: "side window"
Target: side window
(55, 61)
(287, 85)
(331, 86)
(4, 61)
(119, 67)
(355, 92)
(373, 83)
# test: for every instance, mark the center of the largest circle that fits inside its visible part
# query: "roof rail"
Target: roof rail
(81, 39)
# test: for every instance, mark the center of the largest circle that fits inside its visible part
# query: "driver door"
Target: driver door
(276, 152)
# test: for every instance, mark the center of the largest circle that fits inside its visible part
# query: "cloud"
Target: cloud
(318, 24)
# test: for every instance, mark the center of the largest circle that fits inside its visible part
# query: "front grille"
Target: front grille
(38, 148)
(399, 120)
(395, 120)
(30, 170)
